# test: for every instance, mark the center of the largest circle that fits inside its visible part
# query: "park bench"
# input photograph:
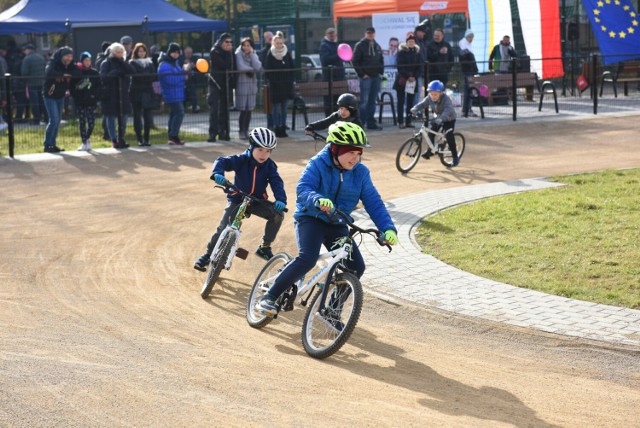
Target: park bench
(305, 91)
(623, 72)
(526, 80)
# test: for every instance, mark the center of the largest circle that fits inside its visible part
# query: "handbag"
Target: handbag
(150, 101)
(582, 82)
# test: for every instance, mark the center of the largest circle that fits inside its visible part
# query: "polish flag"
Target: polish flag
(541, 32)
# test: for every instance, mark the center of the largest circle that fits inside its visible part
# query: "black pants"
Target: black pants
(447, 128)
(142, 121)
(401, 105)
(218, 113)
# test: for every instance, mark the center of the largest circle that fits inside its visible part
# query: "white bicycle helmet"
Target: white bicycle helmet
(263, 137)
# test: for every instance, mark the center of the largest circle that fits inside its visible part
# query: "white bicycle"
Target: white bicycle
(411, 150)
(335, 307)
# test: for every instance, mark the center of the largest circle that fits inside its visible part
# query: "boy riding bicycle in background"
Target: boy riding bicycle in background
(347, 112)
(334, 178)
(254, 170)
(444, 115)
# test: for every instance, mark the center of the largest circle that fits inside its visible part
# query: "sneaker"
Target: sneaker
(175, 141)
(146, 144)
(88, 144)
(472, 114)
(374, 128)
(202, 263)
(267, 306)
(427, 154)
(455, 162)
(211, 139)
(401, 125)
(114, 144)
(264, 252)
(83, 147)
(53, 149)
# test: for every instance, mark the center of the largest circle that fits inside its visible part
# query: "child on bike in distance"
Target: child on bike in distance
(445, 116)
(254, 170)
(347, 112)
(334, 178)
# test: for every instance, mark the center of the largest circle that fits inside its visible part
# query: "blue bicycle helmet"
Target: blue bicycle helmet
(435, 85)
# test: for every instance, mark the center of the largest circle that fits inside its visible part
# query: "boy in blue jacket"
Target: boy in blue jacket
(332, 178)
(254, 170)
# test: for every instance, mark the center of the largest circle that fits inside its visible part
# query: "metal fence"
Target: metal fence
(523, 95)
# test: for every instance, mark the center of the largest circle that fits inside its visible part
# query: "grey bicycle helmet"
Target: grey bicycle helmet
(263, 137)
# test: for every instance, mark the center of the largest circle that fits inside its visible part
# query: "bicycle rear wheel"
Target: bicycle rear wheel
(217, 264)
(325, 330)
(409, 154)
(445, 156)
(263, 282)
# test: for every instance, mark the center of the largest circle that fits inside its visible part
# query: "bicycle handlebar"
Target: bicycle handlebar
(318, 137)
(379, 236)
(229, 187)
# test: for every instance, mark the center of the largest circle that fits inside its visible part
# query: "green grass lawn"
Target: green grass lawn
(29, 139)
(579, 241)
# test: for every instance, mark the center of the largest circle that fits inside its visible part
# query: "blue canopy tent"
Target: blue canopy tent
(51, 16)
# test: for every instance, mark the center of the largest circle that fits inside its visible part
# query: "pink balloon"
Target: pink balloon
(344, 52)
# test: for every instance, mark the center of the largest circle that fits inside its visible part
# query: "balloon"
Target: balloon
(344, 52)
(202, 65)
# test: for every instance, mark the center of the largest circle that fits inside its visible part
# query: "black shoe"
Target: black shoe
(52, 149)
(264, 252)
(211, 139)
(202, 262)
(374, 128)
(427, 154)
(122, 145)
(223, 137)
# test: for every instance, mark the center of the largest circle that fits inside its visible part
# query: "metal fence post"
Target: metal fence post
(594, 69)
(8, 117)
(514, 89)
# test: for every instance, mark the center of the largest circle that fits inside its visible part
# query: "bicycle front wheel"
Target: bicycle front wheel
(217, 263)
(409, 154)
(263, 282)
(325, 330)
(446, 158)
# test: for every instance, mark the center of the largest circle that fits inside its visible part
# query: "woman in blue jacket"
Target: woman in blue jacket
(172, 81)
(334, 178)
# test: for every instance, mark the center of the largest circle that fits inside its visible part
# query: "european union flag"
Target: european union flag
(615, 24)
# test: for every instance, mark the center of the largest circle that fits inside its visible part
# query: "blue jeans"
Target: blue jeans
(279, 112)
(176, 114)
(311, 234)
(116, 135)
(369, 89)
(466, 101)
(54, 108)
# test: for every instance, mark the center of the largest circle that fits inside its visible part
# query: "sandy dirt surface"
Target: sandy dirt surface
(102, 324)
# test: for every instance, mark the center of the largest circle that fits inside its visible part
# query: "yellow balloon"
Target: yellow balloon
(202, 65)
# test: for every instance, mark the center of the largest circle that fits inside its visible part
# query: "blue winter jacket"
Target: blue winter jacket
(250, 176)
(172, 79)
(322, 179)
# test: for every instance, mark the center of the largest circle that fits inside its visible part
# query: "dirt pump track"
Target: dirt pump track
(101, 322)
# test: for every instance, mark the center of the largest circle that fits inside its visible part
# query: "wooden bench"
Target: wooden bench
(623, 72)
(526, 80)
(321, 89)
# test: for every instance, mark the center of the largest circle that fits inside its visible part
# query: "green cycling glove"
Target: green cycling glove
(325, 203)
(391, 237)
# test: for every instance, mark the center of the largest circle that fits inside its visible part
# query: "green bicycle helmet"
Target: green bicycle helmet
(347, 134)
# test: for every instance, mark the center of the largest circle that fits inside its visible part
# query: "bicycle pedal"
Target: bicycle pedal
(242, 253)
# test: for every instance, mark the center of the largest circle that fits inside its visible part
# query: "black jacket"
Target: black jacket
(331, 119)
(56, 84)
(281, 75)
(222, 65)
(408, 64)
(439, 64)
(116, 78)
(329, 57)
(86, 87)
(142, 80)
(367, 58)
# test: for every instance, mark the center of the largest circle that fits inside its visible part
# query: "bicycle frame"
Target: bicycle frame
(233, 228)
(424, 131)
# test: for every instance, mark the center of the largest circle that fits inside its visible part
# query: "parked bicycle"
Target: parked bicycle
(411, 150)
(227, 245)
(335, 307)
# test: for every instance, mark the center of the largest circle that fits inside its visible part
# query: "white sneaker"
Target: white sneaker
(88, 144)
(82, 148)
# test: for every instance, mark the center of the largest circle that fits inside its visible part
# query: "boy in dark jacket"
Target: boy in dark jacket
(85, 90)
(254, 170)
(347, 112)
